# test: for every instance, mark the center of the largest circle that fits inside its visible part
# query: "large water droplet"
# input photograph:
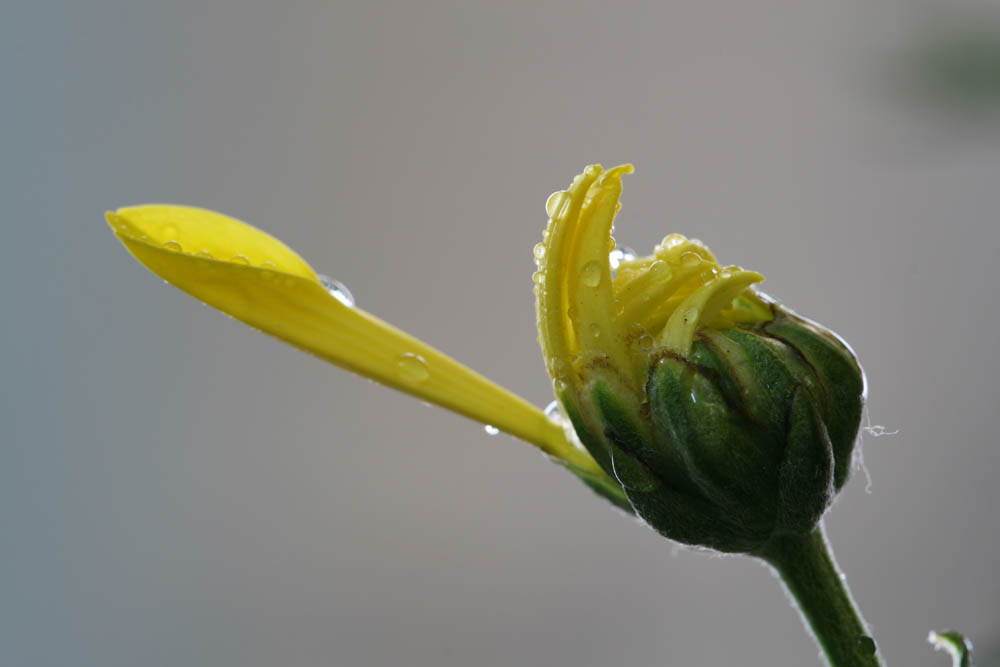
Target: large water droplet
(672, 241)
(537, 277)
(173, 246)
(204, 254)
(866, 645)
(412, 367)
(539, 253)
(591, 274)
(660, 270)
(240, 259)
(490, 429)
(552, 412)
(553, 202)
(337, 290)
(690, 259)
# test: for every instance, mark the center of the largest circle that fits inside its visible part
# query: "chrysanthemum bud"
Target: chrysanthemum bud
(726, 418)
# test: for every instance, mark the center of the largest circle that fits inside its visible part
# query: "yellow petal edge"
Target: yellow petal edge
(257, 279)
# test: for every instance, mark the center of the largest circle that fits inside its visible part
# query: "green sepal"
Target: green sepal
(805, 480)
(767, 373)
(594, 445)
(717, 443)
(840, 377)
(674, 514)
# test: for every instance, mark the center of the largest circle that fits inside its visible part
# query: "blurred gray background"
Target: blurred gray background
(177, 489)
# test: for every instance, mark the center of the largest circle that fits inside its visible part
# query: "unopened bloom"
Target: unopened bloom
(727, 419)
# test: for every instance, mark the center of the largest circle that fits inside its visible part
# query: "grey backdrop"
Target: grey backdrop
(177, 489)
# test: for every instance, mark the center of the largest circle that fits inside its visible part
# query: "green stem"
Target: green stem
(807, 568)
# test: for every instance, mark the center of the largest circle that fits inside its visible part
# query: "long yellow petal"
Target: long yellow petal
(257, 279)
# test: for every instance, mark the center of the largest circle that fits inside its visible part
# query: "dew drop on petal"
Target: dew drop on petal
(659, 270)
(337, 290)
(173, 246)
(240, 259)
(539, 253)
(552, 412)
(690, 259)
(591, 274)
(537, 277)
(412, 368)
(490, 429)
(204, 254)
(672, 241)
(553, 202)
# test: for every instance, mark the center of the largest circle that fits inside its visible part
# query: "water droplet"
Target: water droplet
(690, 259)
(268, 265)
(240, 259)
(552, 411)
(490, 429)
(660, 270)
(672, 241)
(595, 330)
(173, 246)
(646, 342)
(866, 645)
(558, 386)
(539, 253)
(337, 290)
(557, 367)
(412, 367)
(690, 315)
(205, 254)
(708, 275)
(591, 274)
(619, 255)
(554, 201)
(592, 170)
(537, 277)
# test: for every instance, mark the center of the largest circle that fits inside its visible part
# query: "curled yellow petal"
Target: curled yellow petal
(257, 279)
(704, 304)
(575, 304)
